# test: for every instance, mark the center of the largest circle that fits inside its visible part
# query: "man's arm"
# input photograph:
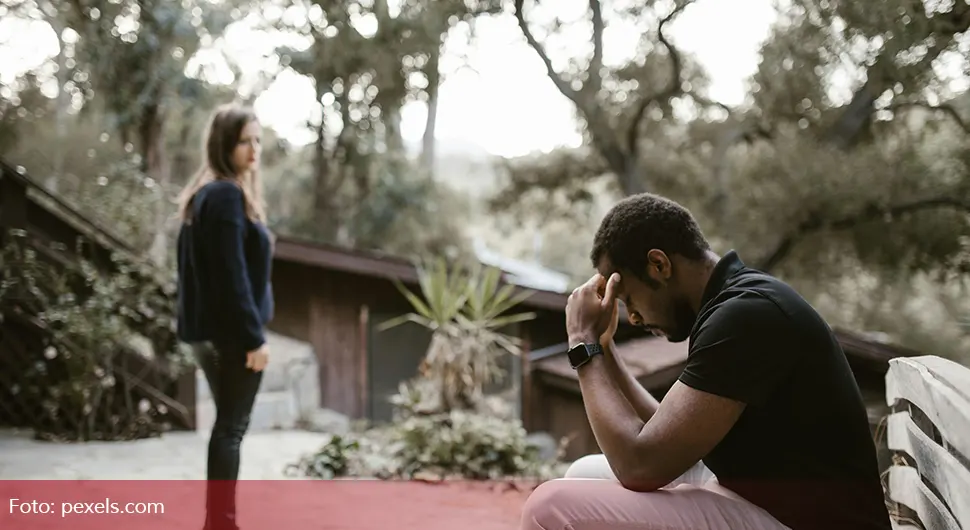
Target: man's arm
(642, 401)
(730, 365)
(648, 455)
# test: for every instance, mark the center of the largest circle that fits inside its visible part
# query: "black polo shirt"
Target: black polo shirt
(802, 449)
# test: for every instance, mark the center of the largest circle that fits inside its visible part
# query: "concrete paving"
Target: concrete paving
(176, 455)
(336, 505)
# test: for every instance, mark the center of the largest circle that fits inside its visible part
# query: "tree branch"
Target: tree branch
(596, 63)
(852, 122)
(601, 133)
(870, 213)
(944, 107)
(560, 83)
(673, 84)
(712, 103)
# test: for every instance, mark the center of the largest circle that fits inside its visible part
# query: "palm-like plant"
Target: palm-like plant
(466, 311)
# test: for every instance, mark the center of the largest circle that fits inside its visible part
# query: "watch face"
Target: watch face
(578, 354)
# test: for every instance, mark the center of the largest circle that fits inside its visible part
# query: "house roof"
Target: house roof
(380, 265)
(527, 274)
(875, 349)
(89, 228)
(651, 360)
(655, 361)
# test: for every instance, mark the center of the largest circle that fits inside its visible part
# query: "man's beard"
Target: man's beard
(684, 318)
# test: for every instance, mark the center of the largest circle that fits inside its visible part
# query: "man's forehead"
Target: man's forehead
(605, 267)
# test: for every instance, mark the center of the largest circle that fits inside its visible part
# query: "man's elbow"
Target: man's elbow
(642, 479)
(642, 484)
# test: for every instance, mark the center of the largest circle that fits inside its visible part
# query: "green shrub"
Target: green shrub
(464, 444)
(331, 461)
(75, 323)
(457, 444)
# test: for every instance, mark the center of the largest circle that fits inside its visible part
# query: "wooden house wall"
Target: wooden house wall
(556, 407)
(325, 308)
(337, 313)
(13, 203)
(547, 329)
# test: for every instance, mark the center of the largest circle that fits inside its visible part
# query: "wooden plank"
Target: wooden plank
(952, 374)
(930, 390)
(362, 354)
(185, 393)
(906, 487)
(13, 202)
(525, 367)
(180, 411)
(936, 464)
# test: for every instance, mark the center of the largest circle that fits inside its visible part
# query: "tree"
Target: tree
(135, 55)
(791, 134)
(820, 187)
(436, 20)
(366, 62)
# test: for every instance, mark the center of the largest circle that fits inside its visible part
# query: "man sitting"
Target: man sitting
(767, 401)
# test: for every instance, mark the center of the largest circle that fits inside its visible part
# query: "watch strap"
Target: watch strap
(581, 353)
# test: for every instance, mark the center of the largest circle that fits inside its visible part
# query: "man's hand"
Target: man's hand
(258, 358)
(591, 311)
(607, 336)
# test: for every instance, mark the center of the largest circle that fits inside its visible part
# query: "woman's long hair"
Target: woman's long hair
(222, 135)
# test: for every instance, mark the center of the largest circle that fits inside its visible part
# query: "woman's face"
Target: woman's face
(245, 155)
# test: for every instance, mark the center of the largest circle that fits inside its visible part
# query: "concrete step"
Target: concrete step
(288, 393)
(299, 374)
(278, 411)
(271, 411)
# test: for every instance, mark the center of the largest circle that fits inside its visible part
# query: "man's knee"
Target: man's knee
(544, 509)
(591, 466)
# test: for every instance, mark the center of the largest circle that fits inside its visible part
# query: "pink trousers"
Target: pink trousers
(590, 498)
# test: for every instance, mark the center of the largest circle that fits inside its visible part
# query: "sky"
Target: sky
(504, 103)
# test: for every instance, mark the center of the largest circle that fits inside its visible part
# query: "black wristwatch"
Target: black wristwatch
(581, 353)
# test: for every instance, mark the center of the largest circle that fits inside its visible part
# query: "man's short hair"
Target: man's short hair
(642, 222)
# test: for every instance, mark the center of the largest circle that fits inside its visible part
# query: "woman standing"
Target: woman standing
(225, 297)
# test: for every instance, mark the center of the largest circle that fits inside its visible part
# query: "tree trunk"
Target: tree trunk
(155, 165)
(721, 206)
(428, 140)
(61, 102)
(392, 129)
(181, 168)
(849, 128)
(325, 219)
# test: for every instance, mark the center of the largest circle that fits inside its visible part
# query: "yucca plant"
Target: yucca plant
(484, 317)
(465, 309)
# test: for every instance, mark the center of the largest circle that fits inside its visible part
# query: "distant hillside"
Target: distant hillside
(464, 166)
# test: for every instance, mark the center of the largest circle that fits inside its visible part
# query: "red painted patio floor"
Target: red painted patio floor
(427, 506)
(346, 504)
(454, 505)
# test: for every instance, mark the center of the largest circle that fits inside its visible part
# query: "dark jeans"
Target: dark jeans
(233, 388)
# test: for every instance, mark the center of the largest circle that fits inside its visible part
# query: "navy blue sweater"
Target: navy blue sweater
(224, 263)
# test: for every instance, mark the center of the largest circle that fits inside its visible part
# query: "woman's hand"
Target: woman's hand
(258, 358)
